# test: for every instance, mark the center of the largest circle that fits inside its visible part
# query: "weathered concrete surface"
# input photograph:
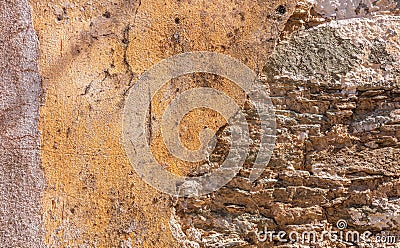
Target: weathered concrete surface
(335, 85)
(91, 53)
(21, 175)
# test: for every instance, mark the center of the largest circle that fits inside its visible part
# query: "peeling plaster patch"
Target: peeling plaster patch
(319, 54)
(356, 51)
(105, 45)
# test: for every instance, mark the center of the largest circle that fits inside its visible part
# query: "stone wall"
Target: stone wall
(332, 71)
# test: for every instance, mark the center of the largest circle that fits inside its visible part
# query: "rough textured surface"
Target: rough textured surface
(91, 54)
(332, 70)
(336, 91)
(21, 176)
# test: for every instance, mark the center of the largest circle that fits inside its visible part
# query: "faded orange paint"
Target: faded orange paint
(93, 196)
